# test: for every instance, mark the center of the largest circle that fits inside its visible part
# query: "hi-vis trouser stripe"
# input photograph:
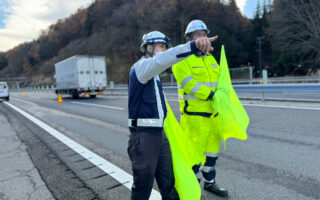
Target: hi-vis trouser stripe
(196, 170)
(207, 169)
(198, 175)
(213, 155)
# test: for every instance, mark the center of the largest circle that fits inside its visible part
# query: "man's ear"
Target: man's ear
(149, 48)
(188, 38)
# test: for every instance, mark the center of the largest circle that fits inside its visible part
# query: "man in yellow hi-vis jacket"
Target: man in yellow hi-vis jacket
(197, 78)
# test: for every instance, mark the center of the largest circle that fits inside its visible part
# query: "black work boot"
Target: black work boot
(214, 188)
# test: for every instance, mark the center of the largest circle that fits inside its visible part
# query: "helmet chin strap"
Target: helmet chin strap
(191, 36)
(152, 51)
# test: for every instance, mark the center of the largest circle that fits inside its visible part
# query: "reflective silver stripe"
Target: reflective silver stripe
(207, 169)
(152, 122)
(195, 89)
(187, 97)
(159, 104)
(147, 122)
(213, 155)
(185, 81)
(198, 175)
(212, 181)
(209, 84)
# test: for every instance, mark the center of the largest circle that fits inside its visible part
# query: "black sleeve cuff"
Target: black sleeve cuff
(194, 50)
(193, 46)
(210, 96)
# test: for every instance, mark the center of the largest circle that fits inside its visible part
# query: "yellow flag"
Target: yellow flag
(233, 118)
(184, 156)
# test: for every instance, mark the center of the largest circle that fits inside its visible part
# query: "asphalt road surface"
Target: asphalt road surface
(279, 160)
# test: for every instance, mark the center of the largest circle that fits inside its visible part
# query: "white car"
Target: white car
(4, 91)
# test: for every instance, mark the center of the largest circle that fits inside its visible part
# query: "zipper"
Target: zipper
(209, 79)
(205, 65)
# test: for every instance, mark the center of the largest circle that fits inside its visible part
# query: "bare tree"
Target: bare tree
(297, 29)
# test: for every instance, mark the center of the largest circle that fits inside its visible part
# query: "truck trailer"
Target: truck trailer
(81, 75)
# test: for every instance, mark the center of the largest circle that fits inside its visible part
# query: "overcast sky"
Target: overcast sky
(22, 20)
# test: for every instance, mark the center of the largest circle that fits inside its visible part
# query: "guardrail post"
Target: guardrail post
(250, 75)
(18, 86)
(262, 97)
(171, 79)
(265, 76)
(111, 87)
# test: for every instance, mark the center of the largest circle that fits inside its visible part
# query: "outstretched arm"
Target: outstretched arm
(148, 68)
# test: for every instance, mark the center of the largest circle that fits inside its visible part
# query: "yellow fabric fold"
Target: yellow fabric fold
(184, 156)
(233, 118)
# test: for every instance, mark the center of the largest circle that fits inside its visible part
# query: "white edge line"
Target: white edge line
(274, 106)
(97, 105)
(120, 175)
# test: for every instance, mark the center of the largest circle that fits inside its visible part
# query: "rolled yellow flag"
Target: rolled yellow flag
(184, 156)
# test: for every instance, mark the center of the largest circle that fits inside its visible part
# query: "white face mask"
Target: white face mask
(155, 53)
(158, 50)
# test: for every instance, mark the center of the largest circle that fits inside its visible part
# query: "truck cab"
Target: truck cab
(4, 91)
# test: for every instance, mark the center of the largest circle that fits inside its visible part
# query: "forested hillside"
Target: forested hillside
(113, 28)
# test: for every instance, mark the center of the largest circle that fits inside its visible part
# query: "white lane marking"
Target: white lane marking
(275, 106)
(120, 175)
(97, 105)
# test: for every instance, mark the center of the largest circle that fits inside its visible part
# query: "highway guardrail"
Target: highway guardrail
(256, 88)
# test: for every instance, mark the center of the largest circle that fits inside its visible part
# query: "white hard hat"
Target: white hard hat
(196, 25)
(154, 37)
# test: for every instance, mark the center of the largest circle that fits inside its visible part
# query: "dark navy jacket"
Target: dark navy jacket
(147, 107)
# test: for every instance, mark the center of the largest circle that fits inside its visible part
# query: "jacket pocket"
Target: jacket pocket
(198, 70)
(133, 145)
(199, 73)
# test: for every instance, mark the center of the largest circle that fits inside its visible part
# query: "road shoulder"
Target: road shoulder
(19, 178)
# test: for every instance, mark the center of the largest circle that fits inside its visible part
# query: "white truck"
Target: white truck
(81, 75)
(4, 91)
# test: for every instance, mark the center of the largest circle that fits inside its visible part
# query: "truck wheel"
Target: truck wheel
(93, 96)
(75, 95)
(7, 98)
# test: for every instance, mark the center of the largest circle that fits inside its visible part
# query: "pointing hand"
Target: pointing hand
(204, 43)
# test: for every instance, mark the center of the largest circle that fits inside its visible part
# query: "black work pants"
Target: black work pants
(150, 156)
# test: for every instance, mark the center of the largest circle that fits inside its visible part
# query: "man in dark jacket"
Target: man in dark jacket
(148, 147)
